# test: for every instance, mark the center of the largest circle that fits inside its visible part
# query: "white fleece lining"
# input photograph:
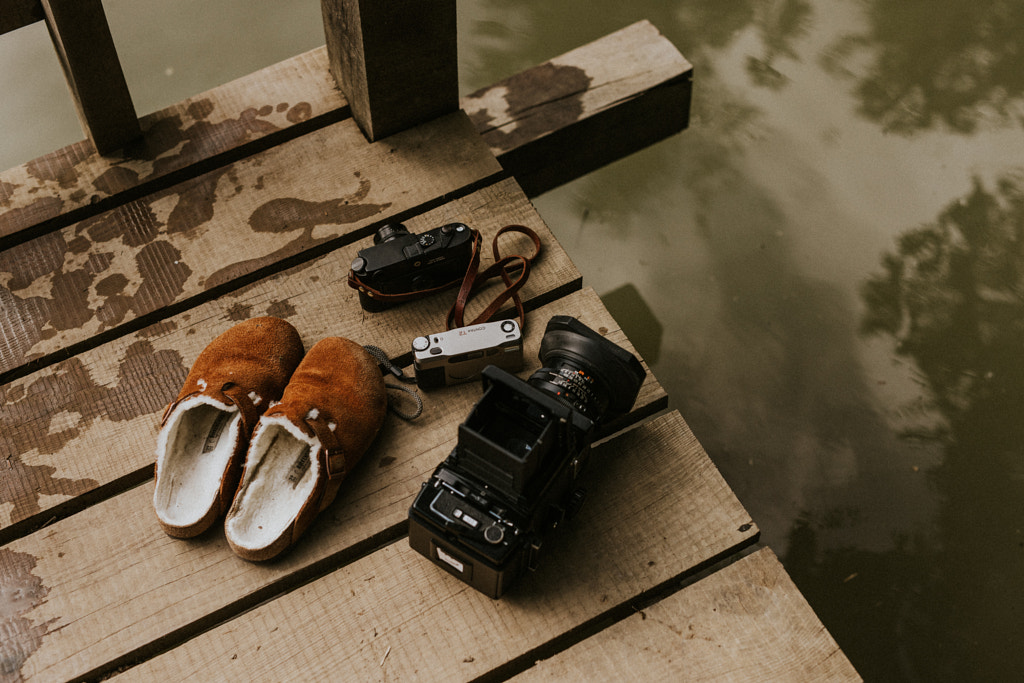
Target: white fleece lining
(280, 473)
(193, 450)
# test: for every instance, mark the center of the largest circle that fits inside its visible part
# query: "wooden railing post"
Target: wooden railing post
(395, 60)
(85, 47)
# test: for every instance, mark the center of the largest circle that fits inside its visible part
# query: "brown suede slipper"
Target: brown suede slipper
(304, 446)
(205, 431)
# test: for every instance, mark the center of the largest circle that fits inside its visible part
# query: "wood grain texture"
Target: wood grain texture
(88, 423)
(401, 618)
(201, 132)
(746, 622)
(187, 241)
(645, 74)
(115, 583)
(87, 54)
(586, 108)
(395, 61)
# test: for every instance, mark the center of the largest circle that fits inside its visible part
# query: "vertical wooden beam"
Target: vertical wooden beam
(85, 47)
(17, 13)
(395, 60)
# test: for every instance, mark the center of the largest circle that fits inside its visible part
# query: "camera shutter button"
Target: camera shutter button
(508, 326)
(358, 264)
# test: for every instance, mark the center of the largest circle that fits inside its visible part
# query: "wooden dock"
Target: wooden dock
(252, 199)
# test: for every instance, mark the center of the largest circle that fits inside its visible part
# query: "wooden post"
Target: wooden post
(17, 13)
(85, 47)
(395, 60)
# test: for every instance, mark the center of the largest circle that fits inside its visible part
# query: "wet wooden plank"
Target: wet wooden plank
(745, 622)
(112, 587)
(202, 132)
(298, 95)
(395, 61)
(587, 108)
(72, 431)
(193, 239)
(657, 509)
(87, 54)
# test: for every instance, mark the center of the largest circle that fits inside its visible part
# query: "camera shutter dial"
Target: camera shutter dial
(494, 534)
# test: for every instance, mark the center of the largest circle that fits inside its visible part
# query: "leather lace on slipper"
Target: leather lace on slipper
(304, 446)
(205, 431)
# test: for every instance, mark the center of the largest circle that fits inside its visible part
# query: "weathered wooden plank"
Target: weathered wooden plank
(198, 237)
(202, 132)
(745, 622)
(395, 61)
(657, 510)
(87, 54)
(76, 429)
(585, 109)
(244, 116)
(15, 14)
(113, 587)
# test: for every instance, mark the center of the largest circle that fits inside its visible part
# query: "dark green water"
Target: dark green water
(825, 271)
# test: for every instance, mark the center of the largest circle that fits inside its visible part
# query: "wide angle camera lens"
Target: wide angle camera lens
(586, 371)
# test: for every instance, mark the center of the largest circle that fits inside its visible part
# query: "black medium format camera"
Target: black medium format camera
(402, 266)
(512, 477)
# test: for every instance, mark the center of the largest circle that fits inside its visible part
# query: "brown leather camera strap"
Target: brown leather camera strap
(355, 283)
(506, 267)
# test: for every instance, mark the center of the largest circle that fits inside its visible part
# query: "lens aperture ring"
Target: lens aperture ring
(574, 387)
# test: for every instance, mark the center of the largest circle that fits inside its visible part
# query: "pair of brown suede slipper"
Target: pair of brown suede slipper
(264, 434)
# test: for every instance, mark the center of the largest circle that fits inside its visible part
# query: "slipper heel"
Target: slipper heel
(205, 431)
(303, 447)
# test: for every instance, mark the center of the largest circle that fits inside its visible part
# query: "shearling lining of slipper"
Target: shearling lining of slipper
(281, 471)
(193, 451)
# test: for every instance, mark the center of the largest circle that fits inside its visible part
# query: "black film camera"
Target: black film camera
(512, 477)
(401, 265)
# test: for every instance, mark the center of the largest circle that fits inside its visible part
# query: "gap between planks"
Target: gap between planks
(113, 443)
(611, 557)
(104, 625)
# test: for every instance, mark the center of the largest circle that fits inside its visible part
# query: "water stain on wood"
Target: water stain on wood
(21, 591)
(169, 143)
(539, 100)
(44, 415)
(281, 309)
(289, 214)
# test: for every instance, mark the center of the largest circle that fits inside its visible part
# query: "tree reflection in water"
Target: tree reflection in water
(955, 61)
(952, 300)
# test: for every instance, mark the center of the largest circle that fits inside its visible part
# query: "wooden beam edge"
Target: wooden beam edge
(202, 133)
(74, 170)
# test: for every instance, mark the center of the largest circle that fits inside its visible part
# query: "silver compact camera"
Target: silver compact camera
(460, 355)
